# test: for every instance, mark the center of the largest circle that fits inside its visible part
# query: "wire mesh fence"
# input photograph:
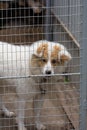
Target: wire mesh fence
(22, 24)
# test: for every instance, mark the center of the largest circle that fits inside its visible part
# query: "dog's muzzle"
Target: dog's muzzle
(48, 72)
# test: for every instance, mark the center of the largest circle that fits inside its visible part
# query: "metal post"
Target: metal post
(83, 69)
(48, 21)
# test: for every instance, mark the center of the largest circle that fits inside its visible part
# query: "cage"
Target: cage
(23, 22)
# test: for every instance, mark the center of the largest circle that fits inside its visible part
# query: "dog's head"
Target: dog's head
(49, 58)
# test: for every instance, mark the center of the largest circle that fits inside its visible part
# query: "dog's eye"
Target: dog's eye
(44, 60)
(54, 61)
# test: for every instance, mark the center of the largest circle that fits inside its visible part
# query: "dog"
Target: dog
(37, 5)
(30, 71)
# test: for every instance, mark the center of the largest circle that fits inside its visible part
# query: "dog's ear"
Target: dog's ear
(42, 50)
(35, 54)
(64, 56)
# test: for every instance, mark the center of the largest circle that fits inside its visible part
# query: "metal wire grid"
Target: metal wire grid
(60, 21)
(83, 69)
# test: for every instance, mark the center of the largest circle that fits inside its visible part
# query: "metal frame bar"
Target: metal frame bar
(5, 0)
(83, 69)
(48, 21)
(29, 76)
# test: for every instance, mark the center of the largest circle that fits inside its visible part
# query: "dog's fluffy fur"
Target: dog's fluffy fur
(41, 61)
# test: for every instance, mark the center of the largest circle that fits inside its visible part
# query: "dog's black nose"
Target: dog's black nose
(48, 72)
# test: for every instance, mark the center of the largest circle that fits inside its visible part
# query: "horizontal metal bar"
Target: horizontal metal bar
(6, 0)
(30, 76)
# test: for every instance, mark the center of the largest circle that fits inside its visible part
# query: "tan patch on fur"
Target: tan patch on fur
(55, 51)
(33, 60)
(37, 61)
(64, 58)
(43, 48)
(54, 55)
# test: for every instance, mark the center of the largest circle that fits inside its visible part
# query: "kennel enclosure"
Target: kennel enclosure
(63, 21)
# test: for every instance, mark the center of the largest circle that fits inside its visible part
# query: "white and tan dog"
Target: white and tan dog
(38, 63)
